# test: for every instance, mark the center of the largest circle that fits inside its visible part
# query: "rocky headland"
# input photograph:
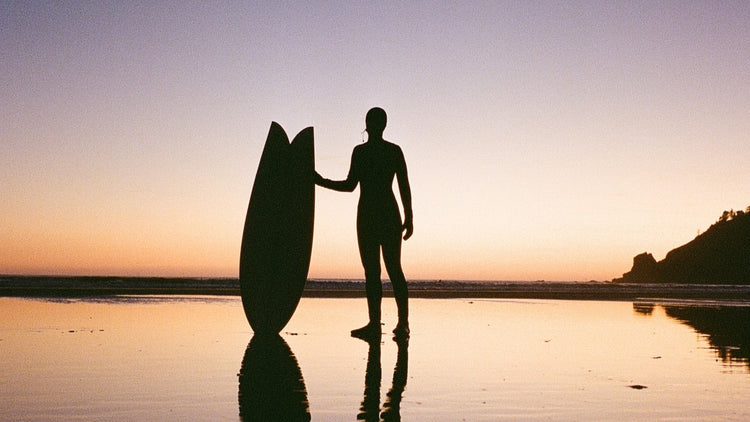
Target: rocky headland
(720, 255)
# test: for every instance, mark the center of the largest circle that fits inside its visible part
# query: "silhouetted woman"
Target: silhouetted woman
(379, 226)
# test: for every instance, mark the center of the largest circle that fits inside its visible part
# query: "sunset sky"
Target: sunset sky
(544, 140)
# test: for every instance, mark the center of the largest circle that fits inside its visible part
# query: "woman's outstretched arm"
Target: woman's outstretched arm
(339, 185)
(347, 185)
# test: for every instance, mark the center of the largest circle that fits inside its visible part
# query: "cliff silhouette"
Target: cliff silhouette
(720, 255)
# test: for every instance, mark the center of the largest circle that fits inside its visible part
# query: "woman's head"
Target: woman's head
(375, 121)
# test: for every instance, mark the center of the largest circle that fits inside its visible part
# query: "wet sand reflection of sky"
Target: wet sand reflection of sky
(158, 358)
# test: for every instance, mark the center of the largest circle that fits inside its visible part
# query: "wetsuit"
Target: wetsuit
(373, 166)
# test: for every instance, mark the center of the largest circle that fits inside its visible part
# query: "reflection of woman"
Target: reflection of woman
(371, 401)
(379, 226)
(392, 405)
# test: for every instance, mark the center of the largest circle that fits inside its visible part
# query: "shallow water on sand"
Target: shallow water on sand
(178, 358)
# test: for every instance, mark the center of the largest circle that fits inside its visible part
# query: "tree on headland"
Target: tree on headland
(732, 214)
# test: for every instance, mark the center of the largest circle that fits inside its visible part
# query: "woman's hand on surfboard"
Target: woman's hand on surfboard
(318, 178)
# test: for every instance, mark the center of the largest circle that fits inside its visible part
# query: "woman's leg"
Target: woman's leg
(392, 259)
(369, 253)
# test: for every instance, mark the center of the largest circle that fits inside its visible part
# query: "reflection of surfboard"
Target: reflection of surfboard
(277, 239)
(271, 383)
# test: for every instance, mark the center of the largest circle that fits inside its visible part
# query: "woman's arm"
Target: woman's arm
(347, 185)
(405, 190)
(338, 185)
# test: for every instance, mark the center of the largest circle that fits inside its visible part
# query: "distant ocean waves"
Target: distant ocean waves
(188, 285)
(52, 286)
(94, 285)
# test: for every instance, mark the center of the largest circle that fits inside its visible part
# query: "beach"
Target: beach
(555, 190)
(193, 357)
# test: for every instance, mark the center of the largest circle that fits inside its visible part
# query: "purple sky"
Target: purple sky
(545, 140)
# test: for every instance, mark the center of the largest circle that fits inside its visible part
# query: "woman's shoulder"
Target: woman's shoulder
(391, 144)
(394, 148)
(359, 149)
(378, 148)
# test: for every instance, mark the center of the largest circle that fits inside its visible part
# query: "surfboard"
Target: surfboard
(277, 238)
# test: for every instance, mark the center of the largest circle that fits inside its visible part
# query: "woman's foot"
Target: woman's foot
(370, 330)
(401, 330)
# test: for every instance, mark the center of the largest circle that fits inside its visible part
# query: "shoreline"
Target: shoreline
(93, 286)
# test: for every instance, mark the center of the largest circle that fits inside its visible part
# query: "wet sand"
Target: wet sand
(195, 358)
